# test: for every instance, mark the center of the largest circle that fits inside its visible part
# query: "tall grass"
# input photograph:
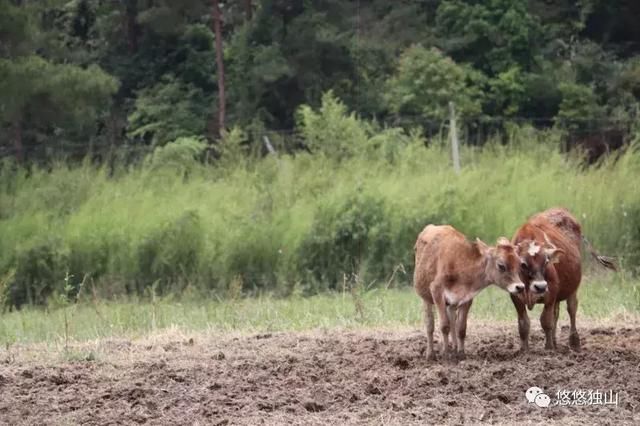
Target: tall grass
(294, 223)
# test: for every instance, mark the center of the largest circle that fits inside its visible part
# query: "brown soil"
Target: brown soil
(321, 377)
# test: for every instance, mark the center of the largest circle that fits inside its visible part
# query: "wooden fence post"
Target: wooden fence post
(453, 133)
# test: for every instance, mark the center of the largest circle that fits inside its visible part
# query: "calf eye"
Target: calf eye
(502, 267)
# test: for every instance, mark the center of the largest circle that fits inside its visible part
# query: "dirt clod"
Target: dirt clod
(401, 363)
(313, 406)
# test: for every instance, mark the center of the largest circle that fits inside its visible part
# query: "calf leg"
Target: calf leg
(547, 321)
(429, 325)
(452, 314)
(572, 307)
(438, 298)
(556, 317)
(461, 331)
(523, 324)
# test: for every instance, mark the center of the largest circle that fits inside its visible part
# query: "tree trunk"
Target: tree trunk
(217, 28)
(17, 140)
(248, 10)
(131, 27)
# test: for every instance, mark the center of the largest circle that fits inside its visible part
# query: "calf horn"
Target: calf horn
(549, 243)
(551, 247)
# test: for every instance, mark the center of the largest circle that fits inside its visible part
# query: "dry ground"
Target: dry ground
(319, 377)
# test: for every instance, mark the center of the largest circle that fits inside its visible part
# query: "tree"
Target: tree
(217, 28)
(39, 93)
(131, 15)
(426, 80)
(252, 63)
(248, 9)
(494, 35)
(579, 109)
(167, 111)
(332, 130)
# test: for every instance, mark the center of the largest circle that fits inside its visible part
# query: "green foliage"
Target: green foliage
(287, 223)
(508, 92)
(495, 35)
(78, 74)
(332, 130)
(233, 147)
(60, 90)
(179, 156)
(390, 143)
(426, 81)
(45, 91)
(16, 29)
(347, 238)
(255, 71)
(83, 77)
(167, 17)
(630, 77)
(167, 111)
(169, 256)
(253, 256)
(198, 58)
(579, 106)
(37, 273)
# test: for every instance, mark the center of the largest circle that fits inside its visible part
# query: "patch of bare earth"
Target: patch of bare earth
(328, 377)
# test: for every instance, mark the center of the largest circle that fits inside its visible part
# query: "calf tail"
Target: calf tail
(606, 261)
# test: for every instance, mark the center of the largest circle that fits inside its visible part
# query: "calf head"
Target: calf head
(536, 257)
(502, 265)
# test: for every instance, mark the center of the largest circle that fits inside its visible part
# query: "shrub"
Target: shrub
(253, 255)
(169, 256)
(180, 155)
(426, 81)
(38, 272)
(347, 237)
(332, 130)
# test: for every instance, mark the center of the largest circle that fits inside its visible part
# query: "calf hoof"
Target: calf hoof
(431, 356)
(574, 341)
(449, 357)
(461, 356)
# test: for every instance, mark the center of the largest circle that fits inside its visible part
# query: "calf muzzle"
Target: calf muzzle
(515, 288)
(539, 286)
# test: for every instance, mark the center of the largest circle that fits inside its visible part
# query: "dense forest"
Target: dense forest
(82, 77)
(218, 148)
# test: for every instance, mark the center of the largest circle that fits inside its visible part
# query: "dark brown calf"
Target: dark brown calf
(595, 144)
(549, 246)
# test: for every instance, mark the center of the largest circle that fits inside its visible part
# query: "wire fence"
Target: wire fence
(474, 131)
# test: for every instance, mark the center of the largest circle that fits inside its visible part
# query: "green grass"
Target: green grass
(600, 298)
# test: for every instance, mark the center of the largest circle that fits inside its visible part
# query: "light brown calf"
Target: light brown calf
(450, 271)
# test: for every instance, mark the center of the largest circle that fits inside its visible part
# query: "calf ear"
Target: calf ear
(503, 241)
(483, 249)
(554, 254)
(522, 247)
